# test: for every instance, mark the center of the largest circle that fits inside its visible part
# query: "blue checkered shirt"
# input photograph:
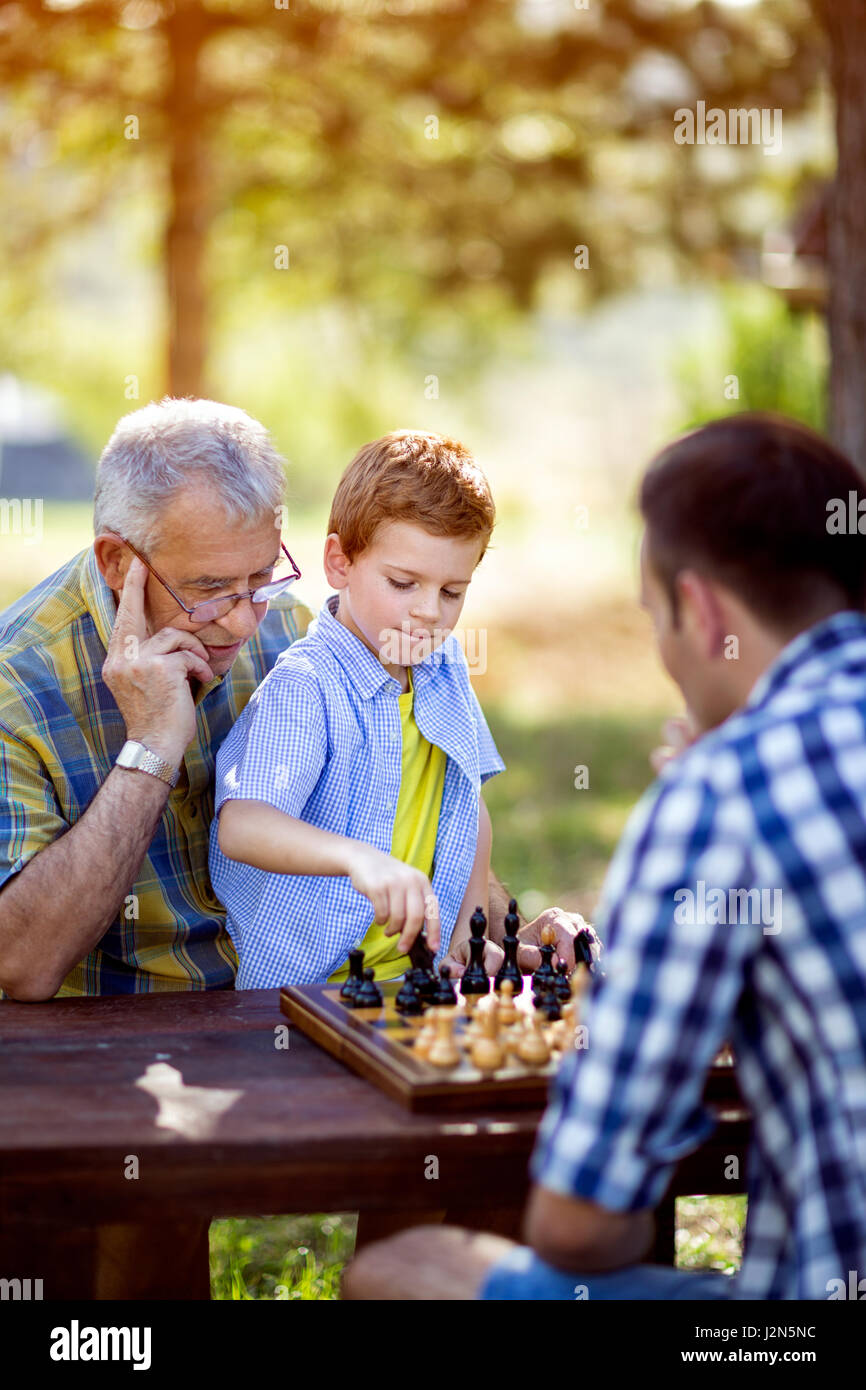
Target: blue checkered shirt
(321, 741)
(774, 799)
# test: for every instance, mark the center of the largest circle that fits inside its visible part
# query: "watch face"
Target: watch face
(135, 756)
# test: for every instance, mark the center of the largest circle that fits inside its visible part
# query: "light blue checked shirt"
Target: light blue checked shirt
(773, 800)
(321, 741)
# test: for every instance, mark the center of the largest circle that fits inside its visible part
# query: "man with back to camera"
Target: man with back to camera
(734, 909)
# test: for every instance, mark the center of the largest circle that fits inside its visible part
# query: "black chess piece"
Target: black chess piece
(550, 1007)
(355, 979)
(583, 948)
(425, 982)
(369, 996)
(545, 974)
(561, 986)
(475, 979)
(407, 1000)
(445, 996)
(543, 994)
(509, 969)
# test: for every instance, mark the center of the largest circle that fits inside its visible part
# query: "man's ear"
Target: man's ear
(701, 613)
(113, 559)
(337, 566)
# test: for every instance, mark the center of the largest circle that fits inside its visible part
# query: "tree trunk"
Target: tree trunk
(845, 23)
(189, 211)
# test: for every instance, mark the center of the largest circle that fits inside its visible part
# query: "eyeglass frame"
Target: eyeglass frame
(235, 597)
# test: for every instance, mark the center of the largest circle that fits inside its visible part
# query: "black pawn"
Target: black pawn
(425, 982)
(561, 986)
(545, 974)
(369, 996)
(509, 969)
(445, 996)
(543, 994)
(550, 1007)
(407, 999)
(475, 978)
(356, 977)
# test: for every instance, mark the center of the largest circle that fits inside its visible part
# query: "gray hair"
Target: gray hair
(160, 449)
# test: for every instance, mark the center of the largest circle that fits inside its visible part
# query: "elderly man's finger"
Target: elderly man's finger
(528, 958)
(456, 967)
(130, 620)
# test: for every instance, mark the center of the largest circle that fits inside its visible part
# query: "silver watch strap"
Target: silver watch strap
(137, 758)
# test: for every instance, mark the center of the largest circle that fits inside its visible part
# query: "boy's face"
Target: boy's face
(402, 595)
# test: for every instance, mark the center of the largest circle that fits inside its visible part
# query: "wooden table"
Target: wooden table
(128, 1122)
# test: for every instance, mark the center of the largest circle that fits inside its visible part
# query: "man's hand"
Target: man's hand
(149, 676)
(400, 895)
(678, 734)
(566, 926)
(458, 957)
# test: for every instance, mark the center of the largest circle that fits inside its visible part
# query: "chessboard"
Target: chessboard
(380, 1044)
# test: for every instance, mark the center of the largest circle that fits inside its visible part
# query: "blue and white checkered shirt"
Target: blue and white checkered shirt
(321, 741)
(773, 800)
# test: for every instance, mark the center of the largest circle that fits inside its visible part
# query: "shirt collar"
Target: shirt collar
(811, 654)
(98, 597)
(362, 666)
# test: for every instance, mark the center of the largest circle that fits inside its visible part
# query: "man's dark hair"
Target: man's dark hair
(744, 501)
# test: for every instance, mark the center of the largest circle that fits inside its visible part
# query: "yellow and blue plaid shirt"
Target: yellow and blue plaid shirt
(60, 732)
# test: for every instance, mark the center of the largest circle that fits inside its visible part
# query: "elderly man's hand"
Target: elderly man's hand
(458, 958)
(149, 675)
(566, 926)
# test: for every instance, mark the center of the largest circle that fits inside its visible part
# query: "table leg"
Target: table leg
(165, 1259)
(664, 1247)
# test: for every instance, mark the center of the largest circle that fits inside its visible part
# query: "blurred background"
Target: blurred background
(471, 216)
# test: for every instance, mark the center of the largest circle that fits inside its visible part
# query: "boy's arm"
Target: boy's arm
(259, 834)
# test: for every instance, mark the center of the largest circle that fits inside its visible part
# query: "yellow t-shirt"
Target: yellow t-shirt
(416, 822)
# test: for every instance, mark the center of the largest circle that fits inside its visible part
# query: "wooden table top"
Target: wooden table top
(220, 1121)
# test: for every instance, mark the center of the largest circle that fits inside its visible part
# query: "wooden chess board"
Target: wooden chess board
(377, 1043)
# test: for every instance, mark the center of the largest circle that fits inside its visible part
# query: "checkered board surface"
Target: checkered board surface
(377, 1043)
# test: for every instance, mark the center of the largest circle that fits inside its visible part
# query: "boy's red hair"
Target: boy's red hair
(409, 475)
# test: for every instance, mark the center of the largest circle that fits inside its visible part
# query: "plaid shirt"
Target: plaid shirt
(321, 741)
(60, 732)
(774, 799)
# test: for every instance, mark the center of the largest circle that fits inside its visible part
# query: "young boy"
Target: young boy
(348, 806)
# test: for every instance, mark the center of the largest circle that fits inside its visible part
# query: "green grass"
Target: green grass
(280, 1257)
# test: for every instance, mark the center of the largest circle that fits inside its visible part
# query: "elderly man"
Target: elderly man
(735, 909)
(120, 677)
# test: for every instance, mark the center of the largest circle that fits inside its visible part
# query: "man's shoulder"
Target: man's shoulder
(39, 635)
(45, 612)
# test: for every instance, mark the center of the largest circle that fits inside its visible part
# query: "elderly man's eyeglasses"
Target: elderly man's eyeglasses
(213, 608)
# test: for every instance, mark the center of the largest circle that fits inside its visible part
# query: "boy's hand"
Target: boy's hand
(400, 895)
(458, 957)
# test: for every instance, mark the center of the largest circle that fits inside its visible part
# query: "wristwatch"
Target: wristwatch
(135, 756)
